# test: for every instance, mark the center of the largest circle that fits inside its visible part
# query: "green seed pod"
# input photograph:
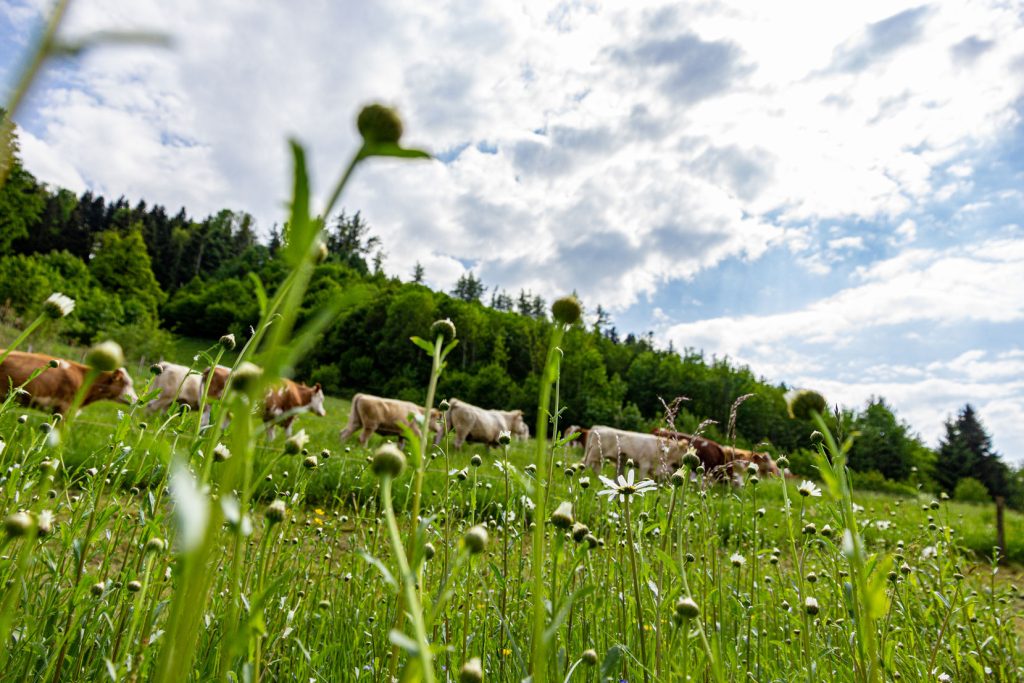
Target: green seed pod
(58, 306)
(105, 356)
(592, 541)
(567, 310)
(811, 606)
(678, 477)
(444, 329)
(377, 123)
(476, 539)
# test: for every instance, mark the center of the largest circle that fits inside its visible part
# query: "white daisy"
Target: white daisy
(625, 486)
(809, 488)
(58, 306)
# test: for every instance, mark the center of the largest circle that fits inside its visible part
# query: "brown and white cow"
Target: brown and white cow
(385, 416)
(55, 387)
(177, 384)
(481, 425)
(740, 458)
(654, 456)
(218, 383)
(581, 440)
(282, 404)
(711, 454)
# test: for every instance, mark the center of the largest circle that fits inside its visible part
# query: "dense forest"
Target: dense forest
(141, 274)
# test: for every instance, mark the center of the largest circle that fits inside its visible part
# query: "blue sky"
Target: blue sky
(828, 192)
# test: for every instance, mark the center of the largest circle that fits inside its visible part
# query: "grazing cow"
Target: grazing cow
(711, 454)
(218, 383)
(576, 429)
(385, 416)
(177, 384)
(740, 458)
(60, 380)
(483, 426)
(288, 400)
(653, 455)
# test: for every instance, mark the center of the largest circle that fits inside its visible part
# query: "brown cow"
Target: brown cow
(60, 380)
(581, 440)
(288, 400)
(385, 416)
(740, 458)
(711, 454)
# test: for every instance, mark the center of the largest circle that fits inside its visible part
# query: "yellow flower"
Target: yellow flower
(318, 511)
(505, 652)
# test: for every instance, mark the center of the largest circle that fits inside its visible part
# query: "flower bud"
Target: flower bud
(276, 511)
(377, 123)
(504, 438)
(18, 524)
(476, 461)
(805, 402)
(98, 588)
(221, 453)
(155, 545)
(562, 516)
(44, 523)
(592, 540)
(687, 608)
(429, 551)
(294, 444)
(58, 306)
(105, 356)
(310, 463)
(227, 342)
(444, 329)
(579, 532)
(476, 539)
(589, 657)
(584, 482)
(567, 310)
(156, 369)
(811, 606)
(471, 671)
(134, 586)
(246, 377)
(444, 406)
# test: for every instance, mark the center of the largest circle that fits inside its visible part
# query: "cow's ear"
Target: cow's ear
(317, 387)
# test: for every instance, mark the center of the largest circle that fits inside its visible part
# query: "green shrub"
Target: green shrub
(970, 490)
(873, 480)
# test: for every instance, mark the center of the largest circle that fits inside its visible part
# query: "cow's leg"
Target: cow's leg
(288, 427)
(159, 403)
(365, 435)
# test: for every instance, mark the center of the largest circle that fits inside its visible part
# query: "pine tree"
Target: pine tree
(469, 287)
(966, 451)
(417, 273)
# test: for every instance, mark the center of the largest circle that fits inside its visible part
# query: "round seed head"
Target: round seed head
(105, 356)
(227, 342)
(567, 310)
(377, 123)
(443, 328)
(589, 657)
(155, 545)
(678, 477)
(592, 541)
(584, 482)
(471, 671)
(134, 586)
(476, 539)
(476, 461)
(429, 551)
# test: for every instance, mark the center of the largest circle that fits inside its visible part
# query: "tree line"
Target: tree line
(140, 273)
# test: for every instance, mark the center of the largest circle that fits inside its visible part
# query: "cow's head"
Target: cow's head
(113, 386)
(316, 401)
(519, 428)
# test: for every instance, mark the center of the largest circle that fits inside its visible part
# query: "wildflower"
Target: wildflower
(810, 529)
(562, 516)
(227, 342)
(58, 306)
(625, 486)
(567, 310)
(530, 468)
(275, 512)
(476, 539)
(428, 551)
(905, 569)
(579, 531)
(18, 524)
(44, 523)
(584, 482)
(737, 560)
(444, 405)
(105, 356)
(687, 608)
(155, 545)
(811, 606)
(592, 541)
(221, 453)
(462, 474)
(310, 463)
(444, 329)
(471, 671)
(476, 461)
(808, 488)
(761, 512)
(826, 531)
(811, 577)
(294, 444)
(324, 605)
(377, 123)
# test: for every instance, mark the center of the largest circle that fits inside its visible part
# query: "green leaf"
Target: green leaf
(563, 611)
(261, 293)
(300, 228)
(388, 577)
(391, 149)
(610, 666)
(423, 344)
(404, 642)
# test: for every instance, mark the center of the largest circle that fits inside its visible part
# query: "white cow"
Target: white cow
(652, 455)
(478, 424)
(177, 384)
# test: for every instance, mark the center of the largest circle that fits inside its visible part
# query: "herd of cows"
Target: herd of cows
(51, 383)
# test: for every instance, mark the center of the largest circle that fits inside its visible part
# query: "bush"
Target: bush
(801, 463)
(970, 490)
(873, 480)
